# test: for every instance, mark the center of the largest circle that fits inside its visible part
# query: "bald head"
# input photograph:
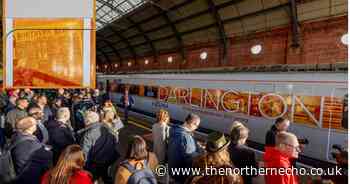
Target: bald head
(288, 143)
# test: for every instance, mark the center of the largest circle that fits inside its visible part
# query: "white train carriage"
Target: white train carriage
(316, 103)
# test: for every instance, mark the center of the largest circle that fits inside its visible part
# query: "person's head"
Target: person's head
(216, 148)
(163, 116)
(16, 92)
(108, 116)
(70, 161)
(26, 125)
(22, 94)
(282, 124)
(27, 90)
(42, 100)
(66, 94)
(22, 103)
(137, 149)
(192, 122)
(63, 114)
(91, 117)
(108, 103)
(61, 91)
(96, 92)
(288, 143)
(58, 102)
(13, 100)
(126, 92)
(239, 134)
(36, 113)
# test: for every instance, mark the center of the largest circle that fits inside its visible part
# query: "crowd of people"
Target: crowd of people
(71, 137)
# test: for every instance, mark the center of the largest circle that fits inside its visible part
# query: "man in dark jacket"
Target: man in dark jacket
(41, 133)
(42, 103)
(60, 132)
(31, 159)
(281, 124)
(241, 155)
(11, 104)
(127, 102)
(182, 146)
(99, 146)
(15, 115)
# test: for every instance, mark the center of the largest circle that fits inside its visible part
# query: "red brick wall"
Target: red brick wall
(319, 43)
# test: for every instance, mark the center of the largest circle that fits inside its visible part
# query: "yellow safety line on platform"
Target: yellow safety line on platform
(139, 125)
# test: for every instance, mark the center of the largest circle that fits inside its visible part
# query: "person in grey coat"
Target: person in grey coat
(99, 146)
(15, 115)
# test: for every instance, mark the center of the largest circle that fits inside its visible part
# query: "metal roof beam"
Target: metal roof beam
(104, 55)
(294, 21)
(180, 44)
(146, 37)
(126, 41)
(221, 30)
(184, 18)
(109, 44)
(225, 21)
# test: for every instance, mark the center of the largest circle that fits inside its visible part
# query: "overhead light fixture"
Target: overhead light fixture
(170, 59)
(344, 39)
(129, 63)
(256, 49)
(203, 55)
(146, 62)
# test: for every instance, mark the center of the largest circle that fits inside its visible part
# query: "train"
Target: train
(315, 103)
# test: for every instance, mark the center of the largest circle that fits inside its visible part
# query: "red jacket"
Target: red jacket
(274, 158)
(79, 177)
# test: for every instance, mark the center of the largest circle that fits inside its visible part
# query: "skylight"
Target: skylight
(108, 11)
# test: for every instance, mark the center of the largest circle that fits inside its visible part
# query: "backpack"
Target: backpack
(140, 176)
(7, 168)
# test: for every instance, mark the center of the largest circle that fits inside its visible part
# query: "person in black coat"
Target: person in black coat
(60, 131)
(127, 102)
(31, 158)
(41, 132)
(241, 155)
(281, 124)
(99, 146)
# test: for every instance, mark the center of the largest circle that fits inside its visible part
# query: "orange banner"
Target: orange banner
(48, 57)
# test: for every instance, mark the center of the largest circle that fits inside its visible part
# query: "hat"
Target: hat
(25, 123)
(216, 142)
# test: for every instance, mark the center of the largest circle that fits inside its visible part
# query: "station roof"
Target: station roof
(150, 27)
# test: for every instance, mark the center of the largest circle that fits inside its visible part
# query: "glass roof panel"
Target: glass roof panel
(110, 10)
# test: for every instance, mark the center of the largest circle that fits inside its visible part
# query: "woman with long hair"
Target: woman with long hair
(160, 132)
(69, 168)
(216, 157)
(137, 159)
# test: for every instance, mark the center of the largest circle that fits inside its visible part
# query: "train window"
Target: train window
(134, 89)
(150, 91)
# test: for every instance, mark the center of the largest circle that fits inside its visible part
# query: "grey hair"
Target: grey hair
(91, 117)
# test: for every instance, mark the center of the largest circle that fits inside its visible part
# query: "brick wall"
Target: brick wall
(320, 43)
